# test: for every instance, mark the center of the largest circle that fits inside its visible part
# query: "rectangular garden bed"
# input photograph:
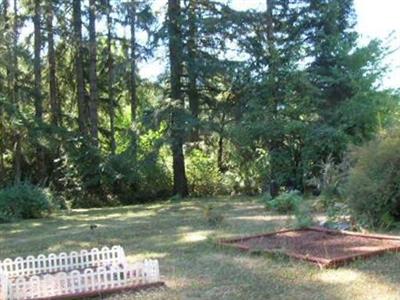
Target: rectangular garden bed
(324, 247)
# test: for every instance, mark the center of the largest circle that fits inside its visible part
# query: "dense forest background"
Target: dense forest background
(248, 98)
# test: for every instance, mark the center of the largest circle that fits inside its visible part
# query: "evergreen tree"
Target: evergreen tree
(177, 124)
(79, 77)
(93, 99)
(248, 96)
(55, 105)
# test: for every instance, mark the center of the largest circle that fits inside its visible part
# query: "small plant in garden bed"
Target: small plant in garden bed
(284, 203)
(292, 202)
(303, 215)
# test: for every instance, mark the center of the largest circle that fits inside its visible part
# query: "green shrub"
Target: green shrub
(303, 215)
(24, 201)
(203, 174)
(247, 170)
(286, 202)
(266, 199)
(330, 181)
(373, 186)
(137, 172)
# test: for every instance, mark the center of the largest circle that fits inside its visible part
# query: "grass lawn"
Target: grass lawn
(192, 266)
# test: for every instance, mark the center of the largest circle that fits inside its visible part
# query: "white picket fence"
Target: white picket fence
(3, 285)
(63, 262)
(73, 274)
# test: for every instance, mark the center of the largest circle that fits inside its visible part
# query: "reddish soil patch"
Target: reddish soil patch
(327, 248)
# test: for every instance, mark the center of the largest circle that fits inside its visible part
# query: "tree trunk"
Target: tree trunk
(38, 85)
(17, 158)
(132, 77)
(272, 55)
(192, 71)
(220, 163)
(272, 70)
(93, 73)
(177, 131)
(80, 86)
(2, 148)
(2, 145)
(14, 95)
(132, 83)
(220, 155)
(37, 63)
(14, 67)
(269, 21)
(110, 78)
(55, 106)
(6, 87)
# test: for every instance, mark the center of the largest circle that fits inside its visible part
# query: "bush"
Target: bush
(129, 180)
(373, 186)
(286, 202)
(203, 174)
(330, 181)
(24, 201)
(137, 172)
(247, 170)
(303, 215)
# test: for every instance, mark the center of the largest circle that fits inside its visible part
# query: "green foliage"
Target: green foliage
(303, 215)
(91, 179)
(241, 122)
(330, 181)
(79, 174)
(24, 201)
(324, 107)
(286, 202)
(203, 174)
(265, 199)
(373, 187)
(337, 212)
(248, 169)
(331, 177)
(154, 180)
(176, 198)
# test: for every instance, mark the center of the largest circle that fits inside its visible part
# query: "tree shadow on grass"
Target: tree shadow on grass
(140, 227)
(215, 274)
(202, 270)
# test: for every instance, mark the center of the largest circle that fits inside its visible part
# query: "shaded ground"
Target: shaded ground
(192, 266)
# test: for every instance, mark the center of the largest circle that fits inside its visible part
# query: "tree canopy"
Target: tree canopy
(248, 96)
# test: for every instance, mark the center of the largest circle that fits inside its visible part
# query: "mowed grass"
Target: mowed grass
(192, 265)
